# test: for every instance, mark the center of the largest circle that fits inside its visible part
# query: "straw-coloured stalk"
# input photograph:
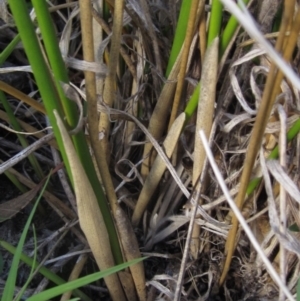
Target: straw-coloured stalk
(90, 217)
(132, 105)
(157, 121)
(100, 148)
(79, 266)
(131, 251)
(184, 57)
(20, 95)
(91, 95)
(157, 169)
(205, 115)
(109, 93)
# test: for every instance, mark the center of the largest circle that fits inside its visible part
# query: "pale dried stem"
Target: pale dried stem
(283, 196)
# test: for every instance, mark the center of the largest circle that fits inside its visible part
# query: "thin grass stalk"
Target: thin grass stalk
(100, 147)
(271, 90)
(23, 289)
(98, 34)
(248, 165)
(9, 48)
(109, 93)
(283, 200)
(291, 134)
(91, 94)
(184, 59)
(202, 34)
(23, 97)
(76, 271)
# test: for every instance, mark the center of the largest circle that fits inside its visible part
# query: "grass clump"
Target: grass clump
(126, 87)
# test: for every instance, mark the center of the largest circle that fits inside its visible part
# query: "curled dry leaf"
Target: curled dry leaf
(155, 144)
(247, 21)
(288, 239)
(282, 177)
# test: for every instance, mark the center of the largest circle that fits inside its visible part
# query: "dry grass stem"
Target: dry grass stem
(109, 93)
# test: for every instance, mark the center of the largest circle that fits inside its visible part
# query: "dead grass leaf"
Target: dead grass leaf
(205, 114)
(15, 205)
(90, 217)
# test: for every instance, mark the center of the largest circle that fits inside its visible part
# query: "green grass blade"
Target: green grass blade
(56, 291)
(21, 292)
(9, 49)
(9, 288)
(215, 21)
(252, 185)
(229, 32)
(193, 102)
(43, 270)
(39, 67)
(60, 74)
(55, 59)
(179, 34)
